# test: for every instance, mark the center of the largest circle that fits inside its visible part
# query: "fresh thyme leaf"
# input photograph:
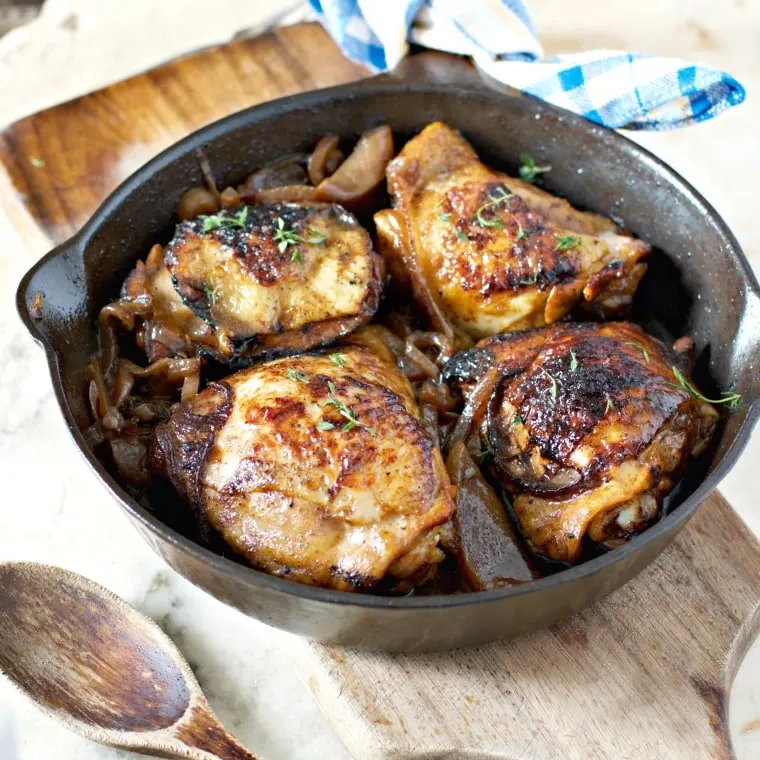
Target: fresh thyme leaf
(209, 291)
(642, 349)
(573, 361)
(485, 454)
(533, 279)
(522, 233)
(297, 376)
(323, 425)
(733, 400)
(567, 243)
(529, 171)
(338, 359)
(498, 196)
(553, 386)
(516, 420)
(315, 237)
(215, 221)
(610, 403)
(460, 234)
(285, 237)
(346, 412)
(444, 217)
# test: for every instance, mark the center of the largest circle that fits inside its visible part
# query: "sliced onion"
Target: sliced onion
(229, 197)
(426, 365)
(129, 455)
(325, 159)
(362, 171)
(197, 201)
(437, 395)
(283, 173)
(424, 339)
(285, 194)
(476, 406)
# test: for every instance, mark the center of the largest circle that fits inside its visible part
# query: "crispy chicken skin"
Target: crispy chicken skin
(267, 457)
(587, 425)
(494, 253)
(263, 280)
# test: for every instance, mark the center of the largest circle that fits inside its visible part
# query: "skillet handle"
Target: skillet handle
(435, 67)
(53, 293)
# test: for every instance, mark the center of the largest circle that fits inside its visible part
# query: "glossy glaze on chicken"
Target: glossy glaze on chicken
(493, 252)
(316, 468)
(584, 425)
(395, 457)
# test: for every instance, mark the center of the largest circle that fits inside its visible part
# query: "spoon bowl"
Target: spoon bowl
(103, 669)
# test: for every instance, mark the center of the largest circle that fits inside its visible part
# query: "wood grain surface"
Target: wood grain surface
(642, 675)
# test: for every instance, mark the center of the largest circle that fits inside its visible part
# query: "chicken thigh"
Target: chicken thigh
(486, 253)
(315, 467)
(585, 425)
(258, 281)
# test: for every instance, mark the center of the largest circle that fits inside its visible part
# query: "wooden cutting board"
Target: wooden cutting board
(642, 675)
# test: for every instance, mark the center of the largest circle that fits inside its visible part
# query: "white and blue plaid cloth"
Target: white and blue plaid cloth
(613, 88)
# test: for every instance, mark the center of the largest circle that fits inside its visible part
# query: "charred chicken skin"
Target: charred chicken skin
(257, 281)
(586, 426)
(485, 253)
(316, 468)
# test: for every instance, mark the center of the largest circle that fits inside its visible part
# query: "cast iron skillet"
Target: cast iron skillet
(699, 284)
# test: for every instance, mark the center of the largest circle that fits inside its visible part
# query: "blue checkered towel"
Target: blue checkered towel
(610, 87)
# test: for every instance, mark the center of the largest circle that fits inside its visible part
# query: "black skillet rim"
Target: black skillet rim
(366, 88)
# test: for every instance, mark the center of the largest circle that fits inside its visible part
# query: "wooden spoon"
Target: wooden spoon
(103, 669)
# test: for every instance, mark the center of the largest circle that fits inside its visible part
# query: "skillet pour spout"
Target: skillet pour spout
(698, 284)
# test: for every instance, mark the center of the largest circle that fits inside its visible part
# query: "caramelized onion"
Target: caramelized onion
(129, 455)
(325, 159)
(195, 202)
(283, 173)
(437, 395)
(285, 194)
(476, 406)
(229, 197)
(362, 171)
(487, 549)
(208, 176)
(426, 367)
(443, 343)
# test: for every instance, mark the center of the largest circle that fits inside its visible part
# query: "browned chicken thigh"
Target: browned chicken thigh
(315, 467)
(485, 253)
(257, 281)
(585, 425)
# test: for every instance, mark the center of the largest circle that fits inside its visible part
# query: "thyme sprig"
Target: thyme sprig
(345, 411)
(732, 400)
(553, 386)
(297, 376)
(641, 348)
(215, 221)
(285, 237)
(529, 171)
(496, 197)
(210, 291)
(567, 242)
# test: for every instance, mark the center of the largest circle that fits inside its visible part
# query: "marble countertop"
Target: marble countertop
(54, 511)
